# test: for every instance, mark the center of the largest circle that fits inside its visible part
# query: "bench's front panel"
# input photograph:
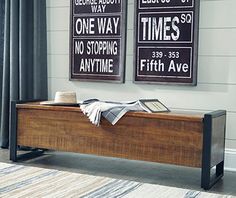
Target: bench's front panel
(158, 140)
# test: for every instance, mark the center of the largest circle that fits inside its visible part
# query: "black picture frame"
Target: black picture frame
(154, 105)
(96, 64)
(186, 47)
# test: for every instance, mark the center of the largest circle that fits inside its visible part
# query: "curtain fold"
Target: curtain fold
(25, 57)
(2, 14)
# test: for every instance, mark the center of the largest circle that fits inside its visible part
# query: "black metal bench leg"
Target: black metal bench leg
(206, 175)
(213, 138)
(13, 131)
(220, 169)
(13, 138)
(208, 180)
(31, 154)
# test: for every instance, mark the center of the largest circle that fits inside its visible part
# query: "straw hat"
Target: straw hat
(62, 98)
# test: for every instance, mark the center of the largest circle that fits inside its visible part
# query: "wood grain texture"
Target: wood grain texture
(172, 138)
(173, 115)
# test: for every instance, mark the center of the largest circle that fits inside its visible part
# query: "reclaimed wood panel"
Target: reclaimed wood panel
(172, 138)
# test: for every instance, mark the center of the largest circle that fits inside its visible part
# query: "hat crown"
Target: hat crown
(65, 97)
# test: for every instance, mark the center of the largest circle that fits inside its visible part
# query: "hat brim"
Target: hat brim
(52, 103)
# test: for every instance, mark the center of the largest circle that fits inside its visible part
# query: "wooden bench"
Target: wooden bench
(180, 138)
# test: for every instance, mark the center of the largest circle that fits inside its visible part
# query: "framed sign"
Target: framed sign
(97, 40)
(166, 41)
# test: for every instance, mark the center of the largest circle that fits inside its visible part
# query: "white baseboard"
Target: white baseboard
(230, 159)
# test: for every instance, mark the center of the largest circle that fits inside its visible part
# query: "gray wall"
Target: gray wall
(216, 87)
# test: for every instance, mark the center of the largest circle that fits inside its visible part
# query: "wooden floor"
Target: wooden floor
(146, 172)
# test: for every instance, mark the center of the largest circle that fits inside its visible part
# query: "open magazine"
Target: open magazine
(113, 111)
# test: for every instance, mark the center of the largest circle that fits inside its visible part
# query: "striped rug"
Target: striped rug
(25, 181)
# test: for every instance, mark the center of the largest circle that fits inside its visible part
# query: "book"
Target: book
(153, 105)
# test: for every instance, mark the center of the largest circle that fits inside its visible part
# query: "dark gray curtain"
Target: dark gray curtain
(2, 14)
(25, 57)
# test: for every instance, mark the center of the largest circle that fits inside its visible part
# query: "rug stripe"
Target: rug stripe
(154, 191)
(59, 186)
(21, 175)
(10, 169)
(41, 185)
(78, 187)
(192, 194)
(117, 188)
(19, 181)
(21, 184)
